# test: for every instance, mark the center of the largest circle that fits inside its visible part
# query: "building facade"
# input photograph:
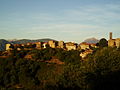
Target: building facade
(8, 46)
(71, 46)
(60, 44)
(38, 45)
(52, 44)
(84, 45)
(113, 42)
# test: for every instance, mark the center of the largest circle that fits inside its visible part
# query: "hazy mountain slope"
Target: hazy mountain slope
(91, 40)
(24, 41)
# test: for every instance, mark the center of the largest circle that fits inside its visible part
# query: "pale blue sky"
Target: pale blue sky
(68, 20)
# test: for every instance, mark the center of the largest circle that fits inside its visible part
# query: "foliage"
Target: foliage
(104, 66)
(103, 43)
(72, 56)
(99, 71)
(73, 77)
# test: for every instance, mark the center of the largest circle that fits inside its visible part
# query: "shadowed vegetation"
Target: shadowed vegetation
(99, 71)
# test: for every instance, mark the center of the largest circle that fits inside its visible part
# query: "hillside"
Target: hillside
(58, 69)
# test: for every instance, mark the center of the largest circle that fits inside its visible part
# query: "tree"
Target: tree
(104, 67)
(103, 42)
(73, 77)
(73, 56)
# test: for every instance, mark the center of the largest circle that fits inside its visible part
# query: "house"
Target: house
(93, 45)
(44, 44)
(61, 44)
(70, 46)
(85, 53)
(117, 42)
(38, 45)
(113, 42)
(84, 45)
(8, 46)
(52, 44)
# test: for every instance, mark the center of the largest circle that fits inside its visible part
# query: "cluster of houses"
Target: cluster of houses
(113, 42)
(86, 47)
(54, 44)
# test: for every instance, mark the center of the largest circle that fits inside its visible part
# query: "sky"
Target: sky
(67, 20)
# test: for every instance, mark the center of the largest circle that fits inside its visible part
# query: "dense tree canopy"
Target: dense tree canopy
(99, 71)
(103, 42)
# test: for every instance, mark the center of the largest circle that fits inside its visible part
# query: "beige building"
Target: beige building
(117, 41)
(44, 44)
(85, 45)
(93, 45)
(71, 46)
(85, 53)
(8, 46)
(113, 42)
(61, 44)
(52, 44)
(38, 45)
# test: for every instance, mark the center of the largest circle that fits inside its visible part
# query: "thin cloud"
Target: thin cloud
(62, 28)
(95, 14)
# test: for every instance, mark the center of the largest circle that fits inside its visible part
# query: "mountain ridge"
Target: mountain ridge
(3, 42)
(91, 40)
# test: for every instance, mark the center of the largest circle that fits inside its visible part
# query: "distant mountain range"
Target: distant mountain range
(3, 42)
(24, 41)
(91, 40)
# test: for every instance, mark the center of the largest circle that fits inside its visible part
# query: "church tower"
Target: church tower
(110, 35)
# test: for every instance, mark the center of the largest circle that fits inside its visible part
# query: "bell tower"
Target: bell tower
(110, 37)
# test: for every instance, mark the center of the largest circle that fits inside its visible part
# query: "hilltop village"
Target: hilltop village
(53, 44)
(57, 65)
(66, 46)
(113, 42)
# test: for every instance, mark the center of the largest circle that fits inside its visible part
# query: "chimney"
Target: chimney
(110, 35)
